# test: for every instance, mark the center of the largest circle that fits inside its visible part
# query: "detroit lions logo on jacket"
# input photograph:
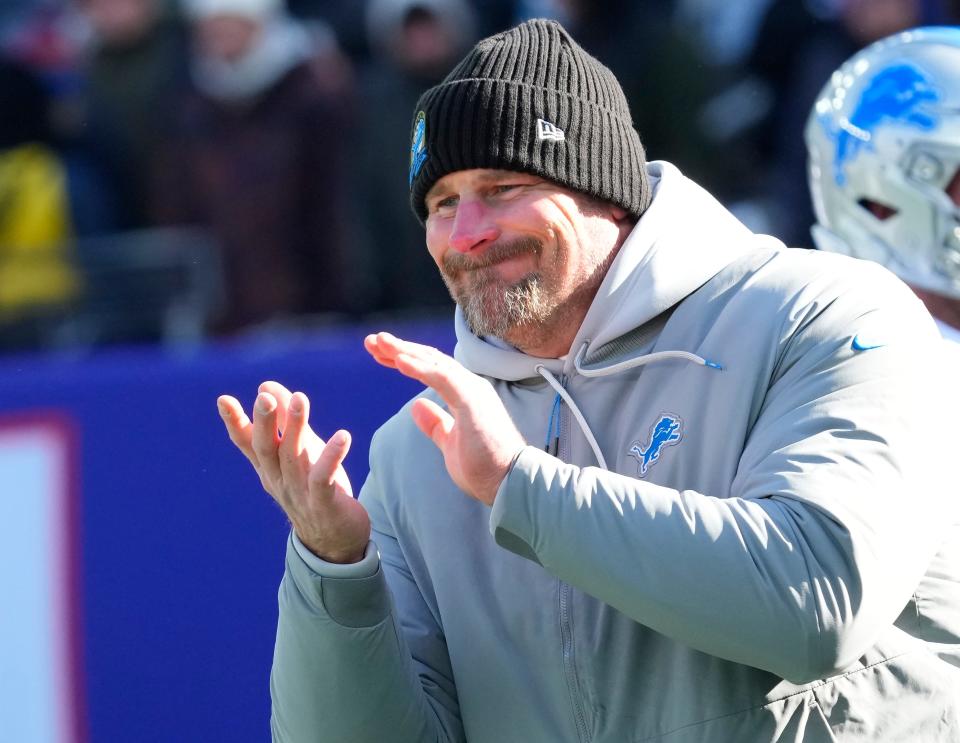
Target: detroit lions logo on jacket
(668, 430)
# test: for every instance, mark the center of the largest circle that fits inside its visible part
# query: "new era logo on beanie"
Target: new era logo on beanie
(546, 130)
(530, 99)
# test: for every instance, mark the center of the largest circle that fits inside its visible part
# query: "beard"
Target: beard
(492, 306)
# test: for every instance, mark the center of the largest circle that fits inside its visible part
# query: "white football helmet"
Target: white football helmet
(883, 141)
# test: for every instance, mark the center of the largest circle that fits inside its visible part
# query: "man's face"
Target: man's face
(227, 36)
(522, 256)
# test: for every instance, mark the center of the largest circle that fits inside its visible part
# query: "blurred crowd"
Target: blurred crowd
(175, 169)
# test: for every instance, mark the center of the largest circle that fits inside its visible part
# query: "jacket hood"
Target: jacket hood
(682, 240)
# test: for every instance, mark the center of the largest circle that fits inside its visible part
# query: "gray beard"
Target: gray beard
(496, 311)
(489, 306)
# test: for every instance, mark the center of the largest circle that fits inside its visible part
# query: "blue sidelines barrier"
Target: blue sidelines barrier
(180, 552)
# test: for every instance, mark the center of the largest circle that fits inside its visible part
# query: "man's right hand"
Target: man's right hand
(301, 472)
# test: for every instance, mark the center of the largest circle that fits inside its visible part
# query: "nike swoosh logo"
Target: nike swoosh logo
(859, 345)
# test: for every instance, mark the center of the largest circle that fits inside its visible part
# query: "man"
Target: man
(134, 59)
(254, 152)
(884, 164)
(740, 529)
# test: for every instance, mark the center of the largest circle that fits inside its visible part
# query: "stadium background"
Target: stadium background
(139, 560)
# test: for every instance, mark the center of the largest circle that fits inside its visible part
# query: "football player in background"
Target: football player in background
(884, 164)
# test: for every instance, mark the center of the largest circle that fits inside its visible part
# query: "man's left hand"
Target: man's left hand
(475, 434)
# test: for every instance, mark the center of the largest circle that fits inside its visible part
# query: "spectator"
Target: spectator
(414, 43)
(136, 56)
(254, 151)
(35, 225)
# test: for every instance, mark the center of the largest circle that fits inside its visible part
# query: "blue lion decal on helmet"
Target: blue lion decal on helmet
(668, 430)
(895, 94)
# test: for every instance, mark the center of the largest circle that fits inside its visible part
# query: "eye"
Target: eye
(507, 190)
(513, 186)
(444, 205)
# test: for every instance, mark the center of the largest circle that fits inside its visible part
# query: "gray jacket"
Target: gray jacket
(745, 529)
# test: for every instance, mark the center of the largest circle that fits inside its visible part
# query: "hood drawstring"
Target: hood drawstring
(606, 371)
(639, 361)
(555, 383)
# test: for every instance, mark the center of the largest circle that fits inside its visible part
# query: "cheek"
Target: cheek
(438, 238)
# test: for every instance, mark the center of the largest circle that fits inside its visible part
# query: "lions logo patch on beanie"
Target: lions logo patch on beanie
(418, 147)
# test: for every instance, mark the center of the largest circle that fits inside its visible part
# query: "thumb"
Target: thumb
(433, 420)
(323, 473)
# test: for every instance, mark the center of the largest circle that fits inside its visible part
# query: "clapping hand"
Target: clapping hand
(300, 471)
(475, 433)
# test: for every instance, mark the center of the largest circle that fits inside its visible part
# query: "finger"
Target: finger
(282, 396)
(299, 437)
(433, 420)
(298, 416)
(385, 347)
(450, 380)
(265, 438)
(294, 471)
(424, 363)
(238, 426)
(324, 471)
(370, 343)
(388, 346)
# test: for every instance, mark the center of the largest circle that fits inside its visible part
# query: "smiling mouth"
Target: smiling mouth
(495, 256)
(494, 267)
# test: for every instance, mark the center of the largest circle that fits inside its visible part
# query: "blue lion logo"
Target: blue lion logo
(666, 432)
(895, 94)
(418, 147)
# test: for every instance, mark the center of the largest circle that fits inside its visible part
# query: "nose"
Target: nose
(473, 227)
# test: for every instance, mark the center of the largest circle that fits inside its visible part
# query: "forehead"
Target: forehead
(460, 179)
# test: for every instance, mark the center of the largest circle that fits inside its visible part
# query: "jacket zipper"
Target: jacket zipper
(569, 667)
(566, 628)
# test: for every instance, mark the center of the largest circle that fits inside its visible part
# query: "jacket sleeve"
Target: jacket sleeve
(836, 509)
(359, 659)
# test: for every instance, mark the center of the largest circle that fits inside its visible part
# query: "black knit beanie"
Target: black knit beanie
(530, 99)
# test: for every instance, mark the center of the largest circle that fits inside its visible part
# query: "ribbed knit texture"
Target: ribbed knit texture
(484, 115)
